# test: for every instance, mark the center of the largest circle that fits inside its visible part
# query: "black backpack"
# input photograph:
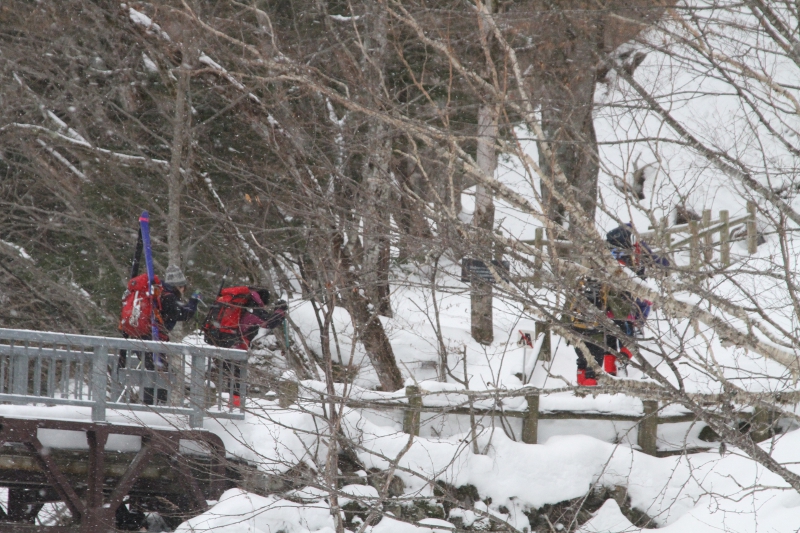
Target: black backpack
(593, 291)
(620, 237)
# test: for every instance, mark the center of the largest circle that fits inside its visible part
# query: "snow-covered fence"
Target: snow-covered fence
(80, 370)
(647, 422)
(416, 404)
(698, 235)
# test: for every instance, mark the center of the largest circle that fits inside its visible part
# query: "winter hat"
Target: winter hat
(174, 276)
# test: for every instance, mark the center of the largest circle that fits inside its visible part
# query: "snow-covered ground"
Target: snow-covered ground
(721, 490)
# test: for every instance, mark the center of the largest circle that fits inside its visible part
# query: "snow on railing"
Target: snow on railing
(121, 374)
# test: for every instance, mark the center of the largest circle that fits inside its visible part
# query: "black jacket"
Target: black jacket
(173, 310)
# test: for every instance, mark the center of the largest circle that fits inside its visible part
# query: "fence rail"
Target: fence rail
(81, 370)
(760, 421)
(698, 235)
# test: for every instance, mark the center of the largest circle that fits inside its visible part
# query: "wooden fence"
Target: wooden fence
(697, 234)
(648, 422)
(760, 421)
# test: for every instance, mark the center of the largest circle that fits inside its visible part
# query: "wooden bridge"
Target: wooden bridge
(74, 429)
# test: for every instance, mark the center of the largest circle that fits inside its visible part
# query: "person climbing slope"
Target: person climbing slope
(594, 301)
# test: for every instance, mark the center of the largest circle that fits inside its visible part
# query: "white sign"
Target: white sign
(526, 338)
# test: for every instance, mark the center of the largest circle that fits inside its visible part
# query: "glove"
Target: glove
(197, 296)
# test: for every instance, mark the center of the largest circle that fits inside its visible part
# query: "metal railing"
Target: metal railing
(64, 369)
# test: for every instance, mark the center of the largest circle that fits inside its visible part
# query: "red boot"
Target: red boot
(610, 364)
(583, 381)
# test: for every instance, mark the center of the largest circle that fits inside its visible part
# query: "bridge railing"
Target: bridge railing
(81, 370)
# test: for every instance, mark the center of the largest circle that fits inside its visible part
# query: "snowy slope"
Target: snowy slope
(704, 492)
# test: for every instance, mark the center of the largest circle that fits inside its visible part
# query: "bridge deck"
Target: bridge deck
(109, 436)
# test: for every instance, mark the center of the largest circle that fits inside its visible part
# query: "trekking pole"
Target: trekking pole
(210, 366)
(286, 334)
(137, 255)
(222, 284)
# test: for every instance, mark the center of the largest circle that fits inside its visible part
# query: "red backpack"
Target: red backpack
(137, 308)
(221, 327)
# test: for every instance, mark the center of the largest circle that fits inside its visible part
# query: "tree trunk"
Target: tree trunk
(180, 130)
(174, 192)
(483, 219)
(414, 229)
(377, 223)
(372, 335)
(568, 85)
(331, 471)
(369, 329)
(378, 197)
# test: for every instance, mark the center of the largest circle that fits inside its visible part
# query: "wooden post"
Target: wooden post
(543, 327)
(648, 427)
(752, 235)
(537, 263)
(724, 240)
(694, 245)
(708, 240)
(411, 419)
(530, 424)
(761, 425)
(287, 393)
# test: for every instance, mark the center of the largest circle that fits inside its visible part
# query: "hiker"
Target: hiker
(636, 256)
(632, 253)
(600, 344)
(173, 310)
(233, 321)
(136, 323)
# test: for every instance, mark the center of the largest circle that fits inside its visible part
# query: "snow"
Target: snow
(240, 512)
(140, 19)
(22, 253)
(205, 60)
(700, 492)
(149, 64)
(693, 493)
(608, 519)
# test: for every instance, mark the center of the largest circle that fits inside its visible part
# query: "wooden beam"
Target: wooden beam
(724, 240)
(648, 427)
(708, 248)
(530, 424)
(752, 233)
(411, 419)
(538, 243)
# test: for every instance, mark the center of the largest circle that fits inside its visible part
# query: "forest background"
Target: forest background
(325, 150)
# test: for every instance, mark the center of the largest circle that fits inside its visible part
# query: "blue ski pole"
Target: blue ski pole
(144, 223)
